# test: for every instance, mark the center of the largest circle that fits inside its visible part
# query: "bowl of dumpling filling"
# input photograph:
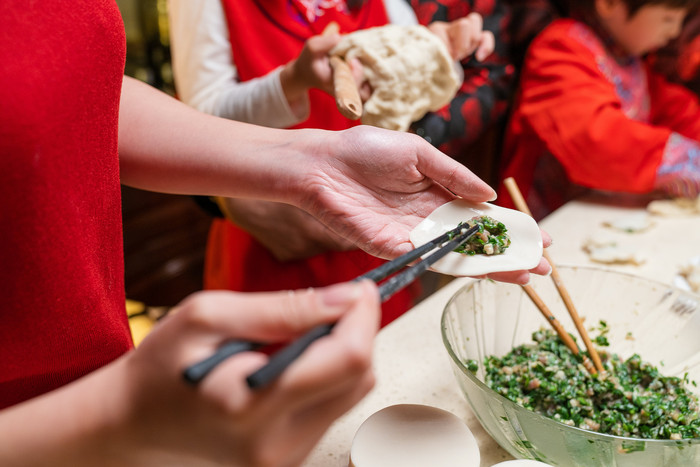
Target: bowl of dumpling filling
(536, 398)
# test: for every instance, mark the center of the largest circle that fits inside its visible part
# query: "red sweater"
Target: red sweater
(61, 261)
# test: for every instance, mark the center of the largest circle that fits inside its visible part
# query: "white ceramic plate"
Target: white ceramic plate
(412, 435)
(524, 252)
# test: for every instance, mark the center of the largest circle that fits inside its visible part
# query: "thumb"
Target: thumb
(279, 316)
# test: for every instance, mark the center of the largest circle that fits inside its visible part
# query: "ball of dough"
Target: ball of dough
(409, 69)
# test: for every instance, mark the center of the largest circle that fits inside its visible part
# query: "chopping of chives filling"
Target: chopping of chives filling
(632, 399)
(490, 239)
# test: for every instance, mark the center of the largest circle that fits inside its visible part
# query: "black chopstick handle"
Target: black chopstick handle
(394, 265)
(285, 356)
(398, 282)
(195, 373)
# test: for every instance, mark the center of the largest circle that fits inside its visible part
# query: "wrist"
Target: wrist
(294, 89)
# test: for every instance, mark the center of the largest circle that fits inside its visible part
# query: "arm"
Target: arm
(488, 77)
(674, 106)
(206, 77)
(369, 185)
(138, 411)
(576, 112)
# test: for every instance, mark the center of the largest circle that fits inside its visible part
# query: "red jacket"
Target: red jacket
(585, 119)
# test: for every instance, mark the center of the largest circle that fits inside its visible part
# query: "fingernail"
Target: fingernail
(494, 196)
(341, 294)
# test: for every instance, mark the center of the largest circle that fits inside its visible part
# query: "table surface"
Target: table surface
(411, 364)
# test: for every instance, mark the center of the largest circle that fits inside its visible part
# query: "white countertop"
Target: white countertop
(412, 366)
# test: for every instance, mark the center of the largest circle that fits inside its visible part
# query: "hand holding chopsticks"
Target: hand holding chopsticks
(280, 360)
(520, 203)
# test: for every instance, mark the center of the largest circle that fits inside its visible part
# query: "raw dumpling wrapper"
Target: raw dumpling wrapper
(410, 71)
(676, 207)
(412, 435)
(610, 251)
(524, 252)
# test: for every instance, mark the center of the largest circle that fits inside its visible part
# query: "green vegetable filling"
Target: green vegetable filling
(490, 239)
(631, 399)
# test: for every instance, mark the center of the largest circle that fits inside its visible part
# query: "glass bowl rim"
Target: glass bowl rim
(546, 420)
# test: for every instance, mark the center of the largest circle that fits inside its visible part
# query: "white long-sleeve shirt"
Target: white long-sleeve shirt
(206, 77)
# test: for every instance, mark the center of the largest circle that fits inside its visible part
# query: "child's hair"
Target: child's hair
(586, 6)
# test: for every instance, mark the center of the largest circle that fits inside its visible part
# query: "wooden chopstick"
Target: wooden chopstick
(280, 360)
(521, 204)
(347, 96)
(554, 322)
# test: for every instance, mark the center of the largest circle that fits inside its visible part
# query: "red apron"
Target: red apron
(265, 35)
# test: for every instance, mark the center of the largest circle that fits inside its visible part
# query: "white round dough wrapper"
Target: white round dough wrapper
(412, 435)
(524, 252)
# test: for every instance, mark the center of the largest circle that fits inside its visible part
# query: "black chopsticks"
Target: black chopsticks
(285, 356)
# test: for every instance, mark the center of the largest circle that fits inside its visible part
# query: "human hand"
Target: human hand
(311, 69)
(465, 36)
(372, 186)
(523, 277)
(222, 421)
(286, 231)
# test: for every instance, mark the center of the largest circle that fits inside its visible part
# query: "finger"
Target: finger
(441, 30)
(336, 361)
(271, 316)
(451, 174)
(463, 37)
(365, 91)
(323, 43)
(474, 31)
(358, 73)
(227, 386)
(486, 47)
(546, 239)
(543, 268)
(512, 277)
(477, 22)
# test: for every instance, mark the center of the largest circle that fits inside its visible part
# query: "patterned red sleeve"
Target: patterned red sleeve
(484, 96)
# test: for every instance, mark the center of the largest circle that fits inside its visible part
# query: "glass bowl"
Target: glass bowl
(659, 322)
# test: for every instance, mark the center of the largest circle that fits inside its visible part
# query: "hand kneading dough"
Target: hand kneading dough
(409, 69)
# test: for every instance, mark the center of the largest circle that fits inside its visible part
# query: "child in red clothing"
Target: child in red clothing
(591, 113)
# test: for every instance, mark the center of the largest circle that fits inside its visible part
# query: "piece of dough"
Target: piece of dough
(409, 69)
(609, 251)
(524, 252)
(410, 435)
(690, 272)
(677, 207)
(632, 223)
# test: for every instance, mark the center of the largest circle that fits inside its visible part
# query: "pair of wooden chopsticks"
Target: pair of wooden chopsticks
(281, 359)
(597, 365)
